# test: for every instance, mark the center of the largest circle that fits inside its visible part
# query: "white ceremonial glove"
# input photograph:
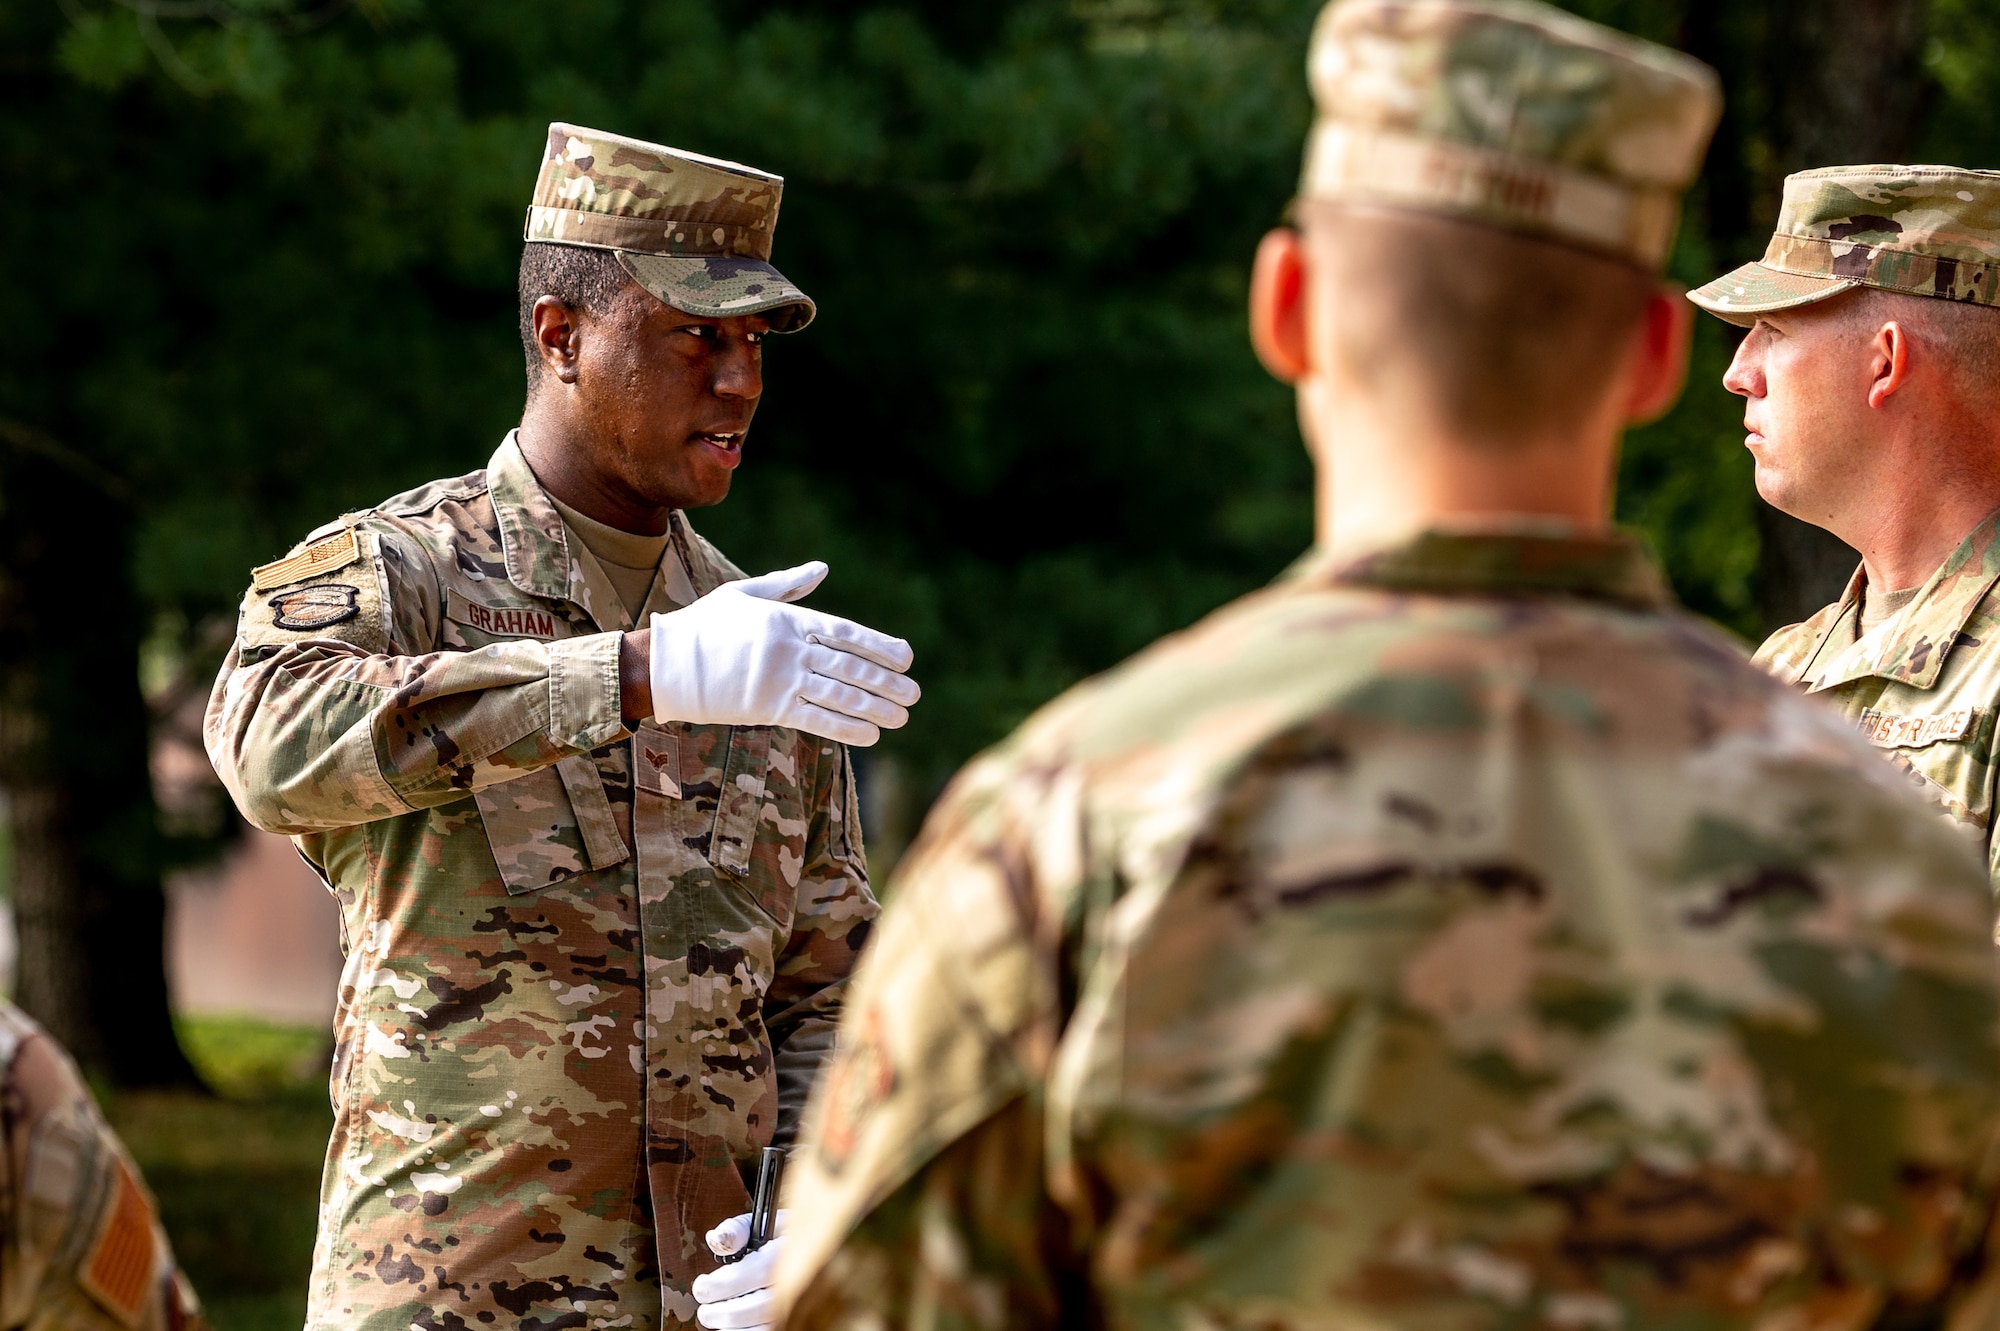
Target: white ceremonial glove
(741, 656)
(738, 1298)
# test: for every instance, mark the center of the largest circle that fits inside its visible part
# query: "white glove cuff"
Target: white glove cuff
(675, 671)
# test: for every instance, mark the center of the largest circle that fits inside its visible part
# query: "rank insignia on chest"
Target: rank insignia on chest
(659, 762)
(317, 607)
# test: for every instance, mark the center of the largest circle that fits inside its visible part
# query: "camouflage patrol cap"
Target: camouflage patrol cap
(1920, 230)
(695, 231)
(1508, 112)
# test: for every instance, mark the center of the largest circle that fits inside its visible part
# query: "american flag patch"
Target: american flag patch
(326, 555)
(118, 1271)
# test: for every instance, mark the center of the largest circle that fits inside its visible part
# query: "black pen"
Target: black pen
(764, 1206)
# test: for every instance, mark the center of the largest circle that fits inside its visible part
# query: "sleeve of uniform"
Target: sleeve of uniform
(834, 911)
(334, 708)
(1993, 870)
(965, 1244)
(82, 1249)
(917, 1197)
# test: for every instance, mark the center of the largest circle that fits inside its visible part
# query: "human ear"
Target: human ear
(557, 337)
(1888, 362)
(1278, 305)
(1659, 357)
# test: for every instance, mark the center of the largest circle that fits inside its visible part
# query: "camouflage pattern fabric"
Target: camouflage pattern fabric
(1458, 938)
(695, 231)
(80, 1246)
(590, 972)
(1924, 687)
(1920, 230)
(1509, 112)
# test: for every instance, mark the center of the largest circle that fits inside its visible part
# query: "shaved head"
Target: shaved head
(1501, 337)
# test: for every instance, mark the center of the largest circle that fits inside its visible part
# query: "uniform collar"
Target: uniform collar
(1506, 559)
(1912, 646)
(534, 543)
(535, 546)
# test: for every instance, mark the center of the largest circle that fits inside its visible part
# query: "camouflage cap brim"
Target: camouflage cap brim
(722, 287)
(1919, 230)
(1754, 289)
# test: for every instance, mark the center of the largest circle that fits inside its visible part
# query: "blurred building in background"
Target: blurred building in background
(255, 933)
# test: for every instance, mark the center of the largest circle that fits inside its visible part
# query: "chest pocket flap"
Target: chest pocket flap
(550, 825)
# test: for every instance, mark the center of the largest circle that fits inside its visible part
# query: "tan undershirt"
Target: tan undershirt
(1879, 608)
(630, 561)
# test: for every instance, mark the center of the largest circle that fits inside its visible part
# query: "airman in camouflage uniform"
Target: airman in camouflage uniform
(1923, 681)
(1454, 935)
(592, 963)
(80, 1246)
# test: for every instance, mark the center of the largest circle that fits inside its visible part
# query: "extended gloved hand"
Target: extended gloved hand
(738, 1298)
(741, 656)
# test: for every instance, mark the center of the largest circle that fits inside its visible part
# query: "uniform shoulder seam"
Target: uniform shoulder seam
(425, 498)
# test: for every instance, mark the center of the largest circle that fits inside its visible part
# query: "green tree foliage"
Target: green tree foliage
(263, 260)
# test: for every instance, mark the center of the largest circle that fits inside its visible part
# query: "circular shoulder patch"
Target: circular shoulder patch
(318, 607)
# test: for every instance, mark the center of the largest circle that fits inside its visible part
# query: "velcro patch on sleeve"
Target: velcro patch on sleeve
(346, 606)
(326, 555)
(117, 1272)
(319, 606)
(1914, 732)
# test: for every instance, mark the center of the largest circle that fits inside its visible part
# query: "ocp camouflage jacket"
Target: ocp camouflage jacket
(589, 971)
(1924, 687)
(1453, 938)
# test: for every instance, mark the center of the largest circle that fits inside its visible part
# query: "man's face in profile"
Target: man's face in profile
(1803, 375)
